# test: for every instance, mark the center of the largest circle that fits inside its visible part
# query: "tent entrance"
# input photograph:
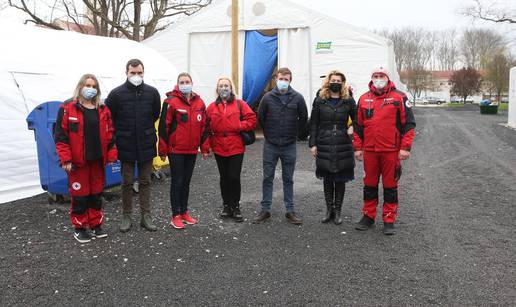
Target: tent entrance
(260, 62)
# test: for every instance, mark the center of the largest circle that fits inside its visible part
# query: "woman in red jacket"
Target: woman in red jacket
(182, 124)
(84, 144)
(227, 117)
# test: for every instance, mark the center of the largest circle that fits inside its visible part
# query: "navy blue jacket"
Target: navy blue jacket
(134, 110)
(280, 121)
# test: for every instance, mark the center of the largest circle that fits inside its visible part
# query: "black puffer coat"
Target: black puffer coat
(135, 109)
(328, 131)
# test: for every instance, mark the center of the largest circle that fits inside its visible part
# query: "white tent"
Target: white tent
(512, 98)
(309, 43)
(40, 65)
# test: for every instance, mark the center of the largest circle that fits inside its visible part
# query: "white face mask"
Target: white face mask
(136, 80)
(379, 84)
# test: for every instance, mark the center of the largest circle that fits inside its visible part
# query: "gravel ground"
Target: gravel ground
(456, 240)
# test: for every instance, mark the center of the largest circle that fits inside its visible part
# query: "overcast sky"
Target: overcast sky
(391, 14)
(380, 14)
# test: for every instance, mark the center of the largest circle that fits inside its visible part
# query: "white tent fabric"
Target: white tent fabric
(354, 51)
(40, 65)
(512, 98)
(294, 52)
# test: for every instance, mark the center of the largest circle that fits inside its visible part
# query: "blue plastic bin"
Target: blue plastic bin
(52, 177)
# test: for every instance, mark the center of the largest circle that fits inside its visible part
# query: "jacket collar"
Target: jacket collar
(131, 86)
(389, 87)
(78, 105)
(177, 94)
(230, 100)
(276, 92)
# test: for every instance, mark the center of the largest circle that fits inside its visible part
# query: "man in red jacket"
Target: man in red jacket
(383, 136)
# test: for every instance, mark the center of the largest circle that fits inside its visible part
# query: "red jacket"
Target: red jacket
(182, 124)
(388, 125)
(224, 126)
(69, 134)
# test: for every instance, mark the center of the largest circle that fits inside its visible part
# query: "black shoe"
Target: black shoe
(329, 213)
(365, 223)
(388, 229)
(293, 218)
(98, 232)
(237, 214)
(82, 235)
(226, 212)
(262, 217)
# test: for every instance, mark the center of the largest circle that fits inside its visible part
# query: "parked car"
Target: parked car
(435, 100)
(420, 101)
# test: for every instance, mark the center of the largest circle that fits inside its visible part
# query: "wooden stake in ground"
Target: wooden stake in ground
(234, 43)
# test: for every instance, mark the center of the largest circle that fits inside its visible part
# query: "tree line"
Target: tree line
(419, 51)
(132, 19)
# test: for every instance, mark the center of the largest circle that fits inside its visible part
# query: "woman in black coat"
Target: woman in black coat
(330, 143)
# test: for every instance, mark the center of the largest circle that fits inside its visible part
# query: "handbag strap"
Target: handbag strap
(239, 109)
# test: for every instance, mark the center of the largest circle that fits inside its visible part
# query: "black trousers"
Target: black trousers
(181, 170)
(229, 170)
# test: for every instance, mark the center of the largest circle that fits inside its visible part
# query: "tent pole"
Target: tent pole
(234, 44)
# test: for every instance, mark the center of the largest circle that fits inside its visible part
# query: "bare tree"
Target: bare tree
(447, 50)
(417, 81)
(413, 48)
(480, 45)
(498, 70)
(133, 19)
(491, 11)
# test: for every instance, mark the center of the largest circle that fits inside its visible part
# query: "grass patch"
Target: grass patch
(454, 104)
(503, 106)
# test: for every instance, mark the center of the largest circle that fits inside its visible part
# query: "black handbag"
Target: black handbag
(248, 137)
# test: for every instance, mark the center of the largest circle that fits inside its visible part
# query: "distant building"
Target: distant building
(440, 86)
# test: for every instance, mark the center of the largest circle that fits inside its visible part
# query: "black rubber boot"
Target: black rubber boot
(365, 223)
(329, 190)
(340, 190)
(237, 215)
(226, 212)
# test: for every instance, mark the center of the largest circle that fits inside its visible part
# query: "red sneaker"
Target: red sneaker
(188, 219)
(177, 222)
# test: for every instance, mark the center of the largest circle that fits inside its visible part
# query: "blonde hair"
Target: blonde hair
(325, 89)
(80, 85)
(230, 86)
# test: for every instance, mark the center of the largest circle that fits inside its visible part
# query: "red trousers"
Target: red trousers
(386, 165)
(86, 184)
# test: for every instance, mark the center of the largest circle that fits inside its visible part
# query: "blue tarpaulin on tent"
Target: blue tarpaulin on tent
(260, 58)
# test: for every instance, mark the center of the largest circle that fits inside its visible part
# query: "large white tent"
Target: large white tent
(40, 65)
(512, 98)
(309, 43)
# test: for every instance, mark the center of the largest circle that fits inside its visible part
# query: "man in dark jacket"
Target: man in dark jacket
(135, 107)
(281, 114)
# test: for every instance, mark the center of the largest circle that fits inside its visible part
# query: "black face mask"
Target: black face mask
(335, 87)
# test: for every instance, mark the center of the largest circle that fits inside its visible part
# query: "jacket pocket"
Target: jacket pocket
(74, 127)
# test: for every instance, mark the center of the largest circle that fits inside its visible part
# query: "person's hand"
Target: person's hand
(205, 155)
(163, 158)
(67, 167)
(359, 155)
(314, 151)
(404, 154)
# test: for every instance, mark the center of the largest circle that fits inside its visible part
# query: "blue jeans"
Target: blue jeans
(287, 154)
